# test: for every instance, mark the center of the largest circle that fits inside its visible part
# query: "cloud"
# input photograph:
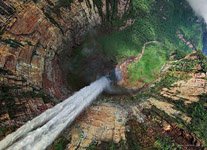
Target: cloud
(200, 8)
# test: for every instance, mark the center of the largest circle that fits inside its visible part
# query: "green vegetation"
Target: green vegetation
(118, 45)
(159, 20)
(149, 136)
(202, 61)
(107, 145)
(92, 146)
(199, 120)
(165, 82)
(60, 144)
(148, 68)
(179, 71)
(189, 65)
(166, 144)
(186, 65)
(197, 111)
(168, 79)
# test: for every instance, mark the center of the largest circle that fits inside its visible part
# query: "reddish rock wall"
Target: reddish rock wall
(33, 34)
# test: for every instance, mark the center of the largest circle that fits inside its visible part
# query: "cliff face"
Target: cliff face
(36, 36)
(33, 34)
(33, 37)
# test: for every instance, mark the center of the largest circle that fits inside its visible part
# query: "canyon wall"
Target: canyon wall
(33, 34)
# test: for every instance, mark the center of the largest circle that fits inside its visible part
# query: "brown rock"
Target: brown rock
(99, 123)
(27, 20)
(188, 90)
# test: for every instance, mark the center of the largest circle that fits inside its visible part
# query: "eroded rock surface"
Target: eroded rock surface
(33, 35)
(105, 122)
(188, 90)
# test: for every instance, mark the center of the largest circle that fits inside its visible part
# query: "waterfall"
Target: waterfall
(40, 132)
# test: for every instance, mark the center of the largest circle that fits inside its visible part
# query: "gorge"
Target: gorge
(150, 53)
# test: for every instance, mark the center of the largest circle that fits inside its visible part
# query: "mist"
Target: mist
(200, 8)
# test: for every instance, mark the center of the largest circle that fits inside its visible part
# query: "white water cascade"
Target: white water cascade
(40, 132)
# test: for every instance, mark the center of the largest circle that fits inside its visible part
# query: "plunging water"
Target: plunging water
(40, 132)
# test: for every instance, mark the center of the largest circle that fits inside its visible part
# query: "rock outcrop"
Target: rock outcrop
(105, 122)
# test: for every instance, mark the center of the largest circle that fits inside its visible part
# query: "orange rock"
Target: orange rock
(98, 126)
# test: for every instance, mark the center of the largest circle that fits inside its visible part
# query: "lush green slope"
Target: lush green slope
(153, 20)
(148, 68)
